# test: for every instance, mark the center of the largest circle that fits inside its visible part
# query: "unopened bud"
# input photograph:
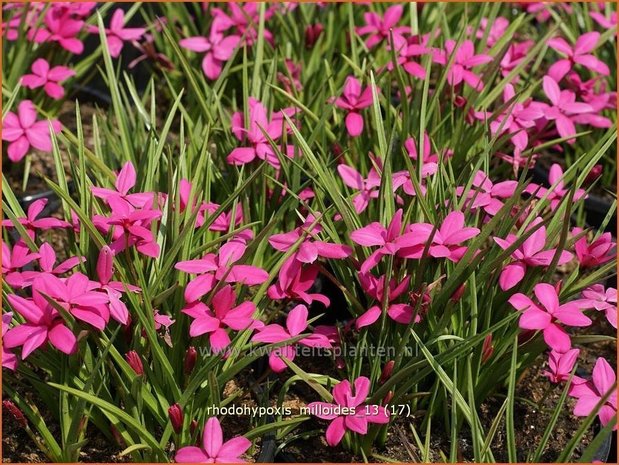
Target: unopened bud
(388, 398)
(193, 427)
(191, 356)
(17, 414)
(458, 293)
(387, 370)
(487, 349)
(135, 362)
(312, 33)
(175, 412)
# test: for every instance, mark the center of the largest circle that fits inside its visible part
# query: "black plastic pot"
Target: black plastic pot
(596, 208)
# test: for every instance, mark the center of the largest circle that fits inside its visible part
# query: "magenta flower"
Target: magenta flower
(131, 227)
(596, 253)
(47, 264)
(513, 57)
(117, 34)
(603, 300)
(386, 238)
(214, 449)
(498, 27)
(125, 181)
(259, 146)
(464, 61)
(427, 156)
(311, 247)
(294, 282)
(606, 22)
(48, 78)
(368, 187)
(245, 19)
(353, 100)
(213, 268)
(31, 223)
(43, 324)
(487, 194)
(358, 415)
(113, 289)
(560, 365)
(408, 48)
(76, 295)
(590, 392)
(9, 359)
(225, 315)
(563, 106)
(14, 260)
(446, 242)
(378, 28)
(555, 195)
(296, 324)
(548, 314)
(60, 26)
(218, 48)
(578, 54)
(23, 130)
(531, 253)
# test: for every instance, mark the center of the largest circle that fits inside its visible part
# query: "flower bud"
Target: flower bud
(17, 414)
(388, 398)
(387, 370)
(595, 173)
(312, 33)
(135, 362)
(191, 356)
(175, 412)
(458, 293)
(487, 349)
(193, 427)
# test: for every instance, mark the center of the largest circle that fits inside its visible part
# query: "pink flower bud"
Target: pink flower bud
(191, 356)
(175, 412)
(487, 349)
(312, 33)
(193, 427)
(388, 398)
(17, 414)
(458, 293)
(387, 370)
(595, 173)
(135, 362)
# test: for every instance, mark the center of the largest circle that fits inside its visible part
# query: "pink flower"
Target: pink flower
(113, 289)
(47, 78)
(555, 195)
(23, 130)
(125, 181)
(259, 146)
(353, 100)
(213, 268)
(608, 23)
(514, 56)
(563, 106)
(531, 253)
(497, 30)
(603, 300)
(218, 48)
(358, 415)
(117, 34)
(596, 253)
(225, 315)
(386, 238)
(560, 365)
(130, 227)
(446, 241)
(590, 392)
(31, 223)
(47, 264)
(214, 449)
(60, 26)
(379, 28)
(76, 295)
(14, 260)
(427, 156)
(548, 314)
(43, 324)
(368, 187)
(294, 280)
(311, 247)
(487, 194)
(464, 61)
(408, 49)
(578, 54)
(9, 359)
(245, 19)
(296, 324)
